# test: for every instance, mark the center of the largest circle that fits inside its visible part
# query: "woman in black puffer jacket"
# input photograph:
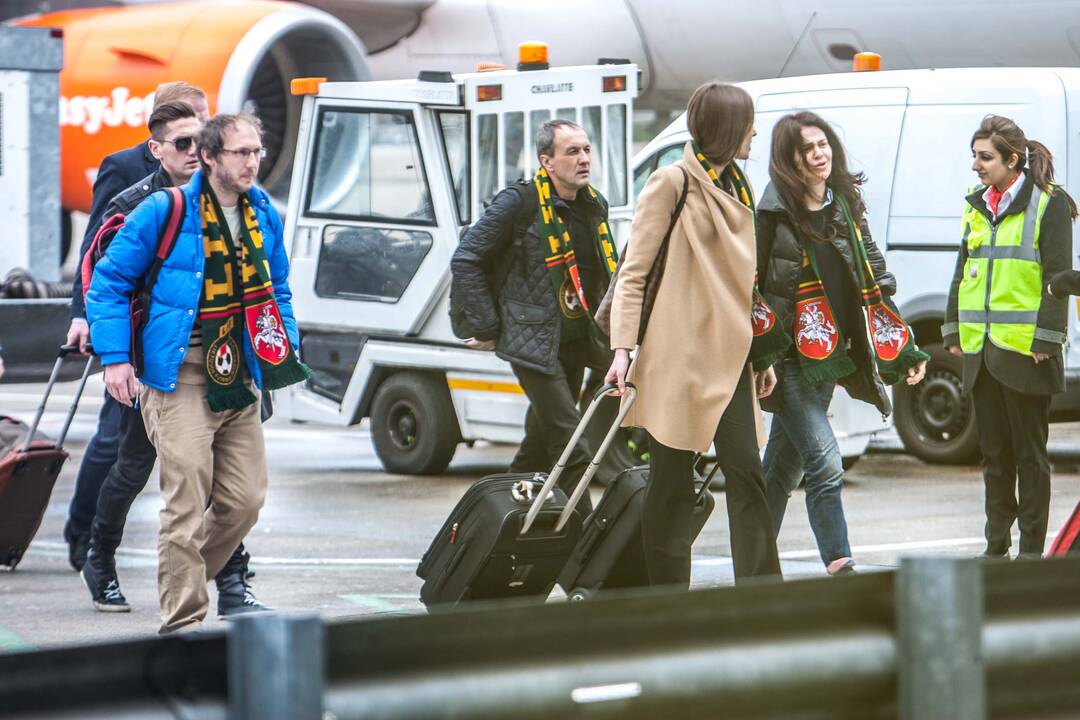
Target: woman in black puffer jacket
(826, 281)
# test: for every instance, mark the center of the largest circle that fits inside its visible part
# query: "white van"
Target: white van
(910, 132)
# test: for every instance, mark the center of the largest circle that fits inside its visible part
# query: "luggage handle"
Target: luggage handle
(707, 481)
(587, 476)
(65, 350)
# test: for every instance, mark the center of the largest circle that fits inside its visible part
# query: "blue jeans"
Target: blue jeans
(97, 460)
(801, 443)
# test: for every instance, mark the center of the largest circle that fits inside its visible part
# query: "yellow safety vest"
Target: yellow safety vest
(1002, 286)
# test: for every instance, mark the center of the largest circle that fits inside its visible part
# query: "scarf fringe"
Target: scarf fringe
(288, 374)
(827, 370)
(233, 398)
(895, 371)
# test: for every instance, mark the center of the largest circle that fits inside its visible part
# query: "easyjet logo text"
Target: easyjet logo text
(119, 107)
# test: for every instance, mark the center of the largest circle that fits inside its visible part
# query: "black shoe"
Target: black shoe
(100, 579)
(234, 593)
(78, 544)
(992, 555)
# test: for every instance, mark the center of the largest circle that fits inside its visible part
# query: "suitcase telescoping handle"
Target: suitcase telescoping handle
(64, 352)
(587, 476)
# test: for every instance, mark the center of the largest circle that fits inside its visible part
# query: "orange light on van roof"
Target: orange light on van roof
(866, 62)
(533, 53)
(306, 86)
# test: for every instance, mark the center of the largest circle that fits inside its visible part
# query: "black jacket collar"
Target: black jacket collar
(1017, 206)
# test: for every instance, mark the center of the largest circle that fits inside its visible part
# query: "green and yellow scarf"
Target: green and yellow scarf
(823, 354)
(770, 341)
(561, 263)
(238, 308)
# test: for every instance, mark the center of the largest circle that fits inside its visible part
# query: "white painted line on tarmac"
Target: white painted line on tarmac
(403, 562)
(884, 547)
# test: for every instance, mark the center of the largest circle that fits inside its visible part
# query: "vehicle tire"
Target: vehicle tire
(413, 424)
(935, 421)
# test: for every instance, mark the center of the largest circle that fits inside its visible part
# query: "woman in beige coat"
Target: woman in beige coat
(692, 368)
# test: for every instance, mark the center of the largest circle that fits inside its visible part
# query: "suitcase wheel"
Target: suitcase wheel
(12, 560)
(579, 594)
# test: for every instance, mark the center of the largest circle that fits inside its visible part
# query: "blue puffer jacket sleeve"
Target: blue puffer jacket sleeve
(128, 259)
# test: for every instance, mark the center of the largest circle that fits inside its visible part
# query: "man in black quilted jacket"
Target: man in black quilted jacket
(528, 275)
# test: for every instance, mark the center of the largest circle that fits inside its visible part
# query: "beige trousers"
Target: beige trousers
(213, 481)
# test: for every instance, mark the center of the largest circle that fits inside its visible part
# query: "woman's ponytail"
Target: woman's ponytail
(1040, 165)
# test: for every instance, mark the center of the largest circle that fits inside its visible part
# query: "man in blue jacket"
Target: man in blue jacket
(220, 326)
(117, 172)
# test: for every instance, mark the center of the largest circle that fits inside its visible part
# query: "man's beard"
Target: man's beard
(231, 183)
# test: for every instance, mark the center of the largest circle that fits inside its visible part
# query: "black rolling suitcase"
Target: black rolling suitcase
(510, 534)
(29, 466)
(609, 553)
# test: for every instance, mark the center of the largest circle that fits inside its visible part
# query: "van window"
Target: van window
(515, 146)
(567, 114)
(454, 127)
(591, 122)
(368, 167)
(536, 119)
(487, 157)
(616, 157)
(368, 263)
(660, 159)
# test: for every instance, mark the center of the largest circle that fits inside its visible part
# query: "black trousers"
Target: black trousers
(124, 481)
(669, 500)
(1013, 429)
(551, 419)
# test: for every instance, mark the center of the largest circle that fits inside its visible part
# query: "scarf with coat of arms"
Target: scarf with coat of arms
(561, 262)
(237, 307)
(823, 354)
(770, 342)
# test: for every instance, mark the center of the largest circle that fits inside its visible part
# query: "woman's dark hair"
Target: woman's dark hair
(1008, 139)
(788, 160)
(719, 118)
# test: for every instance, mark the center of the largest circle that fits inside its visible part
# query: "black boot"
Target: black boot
(234, 593)
(78, 543)
(99, 576)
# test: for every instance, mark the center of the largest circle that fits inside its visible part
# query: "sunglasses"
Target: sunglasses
(182, 144)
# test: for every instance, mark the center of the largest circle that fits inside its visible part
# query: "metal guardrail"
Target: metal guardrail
(939, 638)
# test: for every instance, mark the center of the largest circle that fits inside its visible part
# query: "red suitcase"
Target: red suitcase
(29, 466)
(1068, 538)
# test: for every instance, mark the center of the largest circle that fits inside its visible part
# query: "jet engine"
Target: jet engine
(243, 54)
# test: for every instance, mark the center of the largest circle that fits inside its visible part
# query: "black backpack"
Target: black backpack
(526, 213)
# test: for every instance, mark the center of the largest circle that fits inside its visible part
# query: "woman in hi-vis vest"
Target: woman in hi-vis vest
(1010, 330)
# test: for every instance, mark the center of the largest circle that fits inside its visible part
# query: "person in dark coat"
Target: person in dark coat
(117, 172)
(1004, 318)
(827, 282)
(554, 233)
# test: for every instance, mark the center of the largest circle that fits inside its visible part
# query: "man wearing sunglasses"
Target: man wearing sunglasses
(117, 172)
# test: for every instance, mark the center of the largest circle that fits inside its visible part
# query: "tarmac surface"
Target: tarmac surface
(340, 537)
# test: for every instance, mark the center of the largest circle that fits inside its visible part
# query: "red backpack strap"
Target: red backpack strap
(172, 226)
(98, 245)
(168, 235)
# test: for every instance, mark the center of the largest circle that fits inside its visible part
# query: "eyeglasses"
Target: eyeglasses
(182, 144)
(245, 153)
